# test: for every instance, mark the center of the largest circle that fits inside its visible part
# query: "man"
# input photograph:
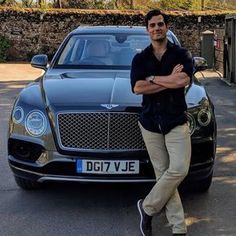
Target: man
(160, 73)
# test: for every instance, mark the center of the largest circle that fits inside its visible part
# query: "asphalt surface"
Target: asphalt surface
(110, 210)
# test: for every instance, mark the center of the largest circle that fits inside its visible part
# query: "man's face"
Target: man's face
(157, 28)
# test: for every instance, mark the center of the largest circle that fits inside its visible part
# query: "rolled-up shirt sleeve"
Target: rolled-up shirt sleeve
(137, 71)
(187, 62)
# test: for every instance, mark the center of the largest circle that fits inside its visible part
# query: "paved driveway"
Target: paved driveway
(110, 209)
(17, 72)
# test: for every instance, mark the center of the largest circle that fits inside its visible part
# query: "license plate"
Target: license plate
(107, 167)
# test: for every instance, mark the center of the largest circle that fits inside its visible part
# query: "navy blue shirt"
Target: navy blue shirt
(164, 110)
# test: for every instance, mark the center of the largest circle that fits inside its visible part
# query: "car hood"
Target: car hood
(89, 88)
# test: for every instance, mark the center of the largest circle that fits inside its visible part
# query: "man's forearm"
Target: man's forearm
(177, 80)
(145, 87)
(160, 83)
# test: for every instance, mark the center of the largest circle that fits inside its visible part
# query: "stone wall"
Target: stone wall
(34, 31)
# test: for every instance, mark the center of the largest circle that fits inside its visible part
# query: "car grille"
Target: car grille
(100, 130)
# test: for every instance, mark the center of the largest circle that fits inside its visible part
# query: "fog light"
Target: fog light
(21, 150)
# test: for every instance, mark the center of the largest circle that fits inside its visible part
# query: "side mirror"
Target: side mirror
(200, 63)
(40, 61)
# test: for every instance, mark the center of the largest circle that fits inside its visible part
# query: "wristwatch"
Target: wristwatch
(151, 79)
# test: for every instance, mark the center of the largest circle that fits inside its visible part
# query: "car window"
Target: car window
(113, 50)
(106, 50)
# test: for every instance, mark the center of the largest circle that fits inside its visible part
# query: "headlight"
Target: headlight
(204, 117)
(191, 123)
(36, 123)
(18, 115)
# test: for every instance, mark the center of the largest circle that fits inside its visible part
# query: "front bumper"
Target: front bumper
(53, 166)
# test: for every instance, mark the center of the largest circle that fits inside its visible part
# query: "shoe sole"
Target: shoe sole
(140, 212)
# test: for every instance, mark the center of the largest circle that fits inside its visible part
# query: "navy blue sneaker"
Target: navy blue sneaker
(145, 220)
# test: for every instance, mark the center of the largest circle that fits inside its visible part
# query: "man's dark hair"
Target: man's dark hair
(155, 12)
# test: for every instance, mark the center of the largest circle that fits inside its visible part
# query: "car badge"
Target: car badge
(109, 106)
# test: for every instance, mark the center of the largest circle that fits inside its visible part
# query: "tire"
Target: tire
(27, 184)
(204, 185)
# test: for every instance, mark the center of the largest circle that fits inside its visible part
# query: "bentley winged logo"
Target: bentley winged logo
(109, 106)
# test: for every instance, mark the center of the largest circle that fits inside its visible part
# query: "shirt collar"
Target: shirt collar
(169, 46)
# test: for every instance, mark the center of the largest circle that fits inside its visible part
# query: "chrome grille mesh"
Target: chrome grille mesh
(104, 131)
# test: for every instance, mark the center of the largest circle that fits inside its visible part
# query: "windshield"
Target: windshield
(102, 50)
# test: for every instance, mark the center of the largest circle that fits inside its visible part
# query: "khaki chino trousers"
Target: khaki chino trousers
(170, 156)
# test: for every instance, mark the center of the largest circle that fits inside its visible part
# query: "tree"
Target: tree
(57, 3)
(86, 4)
(41, 3)
(127, 4)
(98, 4)
(8, 2)
(27, 3)
(176, 4)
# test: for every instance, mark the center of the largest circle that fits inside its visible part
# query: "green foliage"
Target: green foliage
(98, 4)
(175, 4)
(27, 3)
(193, 5)
(4, 46)
(8, 2)
(81, 4)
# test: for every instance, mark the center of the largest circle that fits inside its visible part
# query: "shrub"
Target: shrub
(4, 45)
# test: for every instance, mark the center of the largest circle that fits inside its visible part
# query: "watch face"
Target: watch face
(150, 78)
